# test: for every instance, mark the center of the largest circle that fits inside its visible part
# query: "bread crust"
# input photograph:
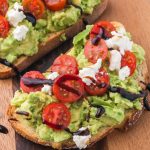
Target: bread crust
(53, 41)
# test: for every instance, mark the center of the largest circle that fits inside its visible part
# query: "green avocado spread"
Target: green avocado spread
(116, 107)
(11, 48)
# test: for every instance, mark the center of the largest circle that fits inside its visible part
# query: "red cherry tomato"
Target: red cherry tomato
(65, 64)
(64, 69)
(56, 116)
(94, 52)
(68, 88)
(33, 75)
(4, 27)
(129, 59)
(36, 7)
(55, 5)
(102, 81)
(107, 26)
(3, 7)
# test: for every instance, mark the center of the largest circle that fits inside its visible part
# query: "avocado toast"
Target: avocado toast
(47, 29)
(94, 95)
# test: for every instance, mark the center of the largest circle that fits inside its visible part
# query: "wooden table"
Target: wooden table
(135, 15)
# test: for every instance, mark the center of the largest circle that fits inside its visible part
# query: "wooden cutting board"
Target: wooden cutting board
(135, 15)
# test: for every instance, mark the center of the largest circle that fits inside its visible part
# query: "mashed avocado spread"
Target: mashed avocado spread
(11, 49)
(115, 106)
(87, 5)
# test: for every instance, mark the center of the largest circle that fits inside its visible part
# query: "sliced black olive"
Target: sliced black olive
(98, 37)
(3, 129)
(100, 111)
(30, 18)
(22, 113)
(8, 64)
(148, 86)
(146, 102)
(126, 94)
(82, 132)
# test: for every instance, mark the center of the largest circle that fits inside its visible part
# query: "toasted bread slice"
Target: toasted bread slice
(131, 118)
(29, 133)
(53, 41)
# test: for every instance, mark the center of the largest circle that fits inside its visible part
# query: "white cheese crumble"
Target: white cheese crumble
(53, 76)
(120, 42)
(115, 60)
(124, 73)
(15, 16)
(47, 89)
(90, 72)
(20, 32)
(18, 7)
(121, 30)
(81, 141)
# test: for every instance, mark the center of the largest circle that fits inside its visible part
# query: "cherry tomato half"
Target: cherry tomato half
(33, 75)
(94, 52)
(55, 5)
(4, 27)
(3, 7)
(56, 116)
(35, 7)
(129, 59)
(100, 86)
(68, 88)
(65, 64)
(107, 26)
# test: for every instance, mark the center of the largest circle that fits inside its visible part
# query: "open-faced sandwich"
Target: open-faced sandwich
(29, 29)
(98, 86)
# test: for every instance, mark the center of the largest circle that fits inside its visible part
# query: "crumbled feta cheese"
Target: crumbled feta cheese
(114, 33)
(81, 141)
(87, 81)
(20, 32)
(115, 60)
(122, 43)
(124, 73)
(18, 7)
(15, 16)
(47, 89)
(90, 72)
(121, 30)
(53, 76)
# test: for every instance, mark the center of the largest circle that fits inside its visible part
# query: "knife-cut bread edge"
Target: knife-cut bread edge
(131, 118)
(53, 41)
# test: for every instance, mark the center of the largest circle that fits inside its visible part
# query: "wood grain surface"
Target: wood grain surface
(135, 15)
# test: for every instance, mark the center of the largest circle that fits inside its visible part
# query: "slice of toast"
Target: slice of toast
(131, 118)
(53, 41)
(29, 133)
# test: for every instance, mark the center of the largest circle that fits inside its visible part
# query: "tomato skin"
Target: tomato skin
(33, 75)
(55, 5)
(64, 69)
(71, 81)
(66, 60)
(3, 7)
(94, 52)
(56, 116)
(65, 64)
(129, 59)
(102, 77)
(4, 27)
(36, 7)
(105, 25)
